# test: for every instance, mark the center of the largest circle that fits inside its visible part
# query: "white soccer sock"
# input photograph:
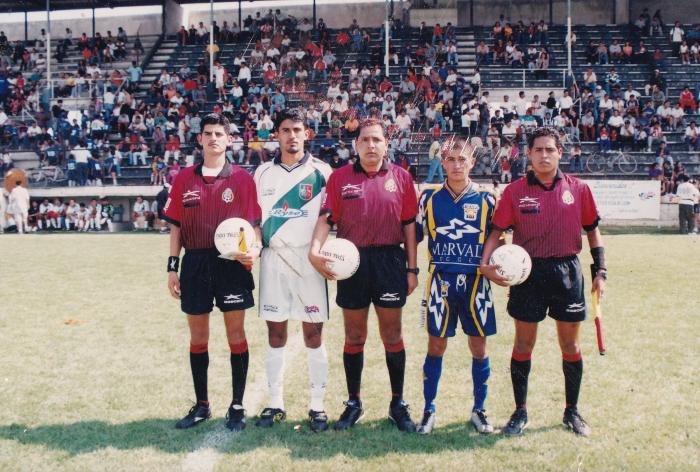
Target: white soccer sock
(274, 364)
(318, 375)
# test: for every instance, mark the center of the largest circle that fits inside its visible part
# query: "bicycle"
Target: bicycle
(600, 163)
(43, 176)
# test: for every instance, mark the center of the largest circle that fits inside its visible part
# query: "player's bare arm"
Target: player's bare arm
(321, 231)
(490, 271)
(175, 248)
(410, 247)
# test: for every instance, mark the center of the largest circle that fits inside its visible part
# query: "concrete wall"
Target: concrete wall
(367, 14)
(432, 16)
(143, 24)
(685, 11)
(173, 16)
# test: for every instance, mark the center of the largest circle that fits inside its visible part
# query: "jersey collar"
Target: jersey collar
(278, 161)
(532, 180)
(357, 167)
(469, 188)
(225, 171)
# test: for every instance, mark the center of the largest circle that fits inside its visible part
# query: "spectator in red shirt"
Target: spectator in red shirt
(547, 210)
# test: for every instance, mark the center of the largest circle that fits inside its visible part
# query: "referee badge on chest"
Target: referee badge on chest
(227, 196)
(390, 185)
(567, 198)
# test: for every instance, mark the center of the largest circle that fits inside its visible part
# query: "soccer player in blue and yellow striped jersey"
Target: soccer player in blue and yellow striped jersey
(455, 220)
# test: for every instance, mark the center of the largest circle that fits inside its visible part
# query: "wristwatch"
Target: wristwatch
(413, 270)
(602, 273)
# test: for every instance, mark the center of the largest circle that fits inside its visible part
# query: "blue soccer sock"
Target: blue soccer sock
(432, 369)
(481, 370)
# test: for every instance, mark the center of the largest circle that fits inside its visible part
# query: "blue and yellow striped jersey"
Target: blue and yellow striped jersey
(456, 226)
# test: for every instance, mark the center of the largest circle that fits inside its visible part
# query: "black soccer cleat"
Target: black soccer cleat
(399, 415)
(351, 415)
(270, 416)
(197, 414)
(235, 418)
(427, 423)
(318, 421)
(573, 421)
(517, 423)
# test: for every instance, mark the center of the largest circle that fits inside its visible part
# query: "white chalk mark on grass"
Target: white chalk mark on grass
(209, 450)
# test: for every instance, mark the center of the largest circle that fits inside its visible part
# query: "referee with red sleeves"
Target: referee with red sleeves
(203, 196)
(547, 210)
(374, 205)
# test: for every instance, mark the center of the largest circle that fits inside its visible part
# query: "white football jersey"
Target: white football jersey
(290, 199)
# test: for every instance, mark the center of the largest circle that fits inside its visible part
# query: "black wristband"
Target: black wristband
(173, 263)
(598, 254)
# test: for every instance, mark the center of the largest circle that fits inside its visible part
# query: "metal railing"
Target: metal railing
(527, 74)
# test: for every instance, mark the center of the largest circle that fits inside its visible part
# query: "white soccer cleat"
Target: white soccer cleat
(481, 422)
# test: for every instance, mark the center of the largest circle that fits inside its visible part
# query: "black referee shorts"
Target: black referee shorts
(205, 277)
(380, 279)
(554, 288)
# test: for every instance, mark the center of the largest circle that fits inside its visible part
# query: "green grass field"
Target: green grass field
(94, 373)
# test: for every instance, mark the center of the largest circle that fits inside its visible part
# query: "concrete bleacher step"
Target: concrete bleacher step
(25, 159)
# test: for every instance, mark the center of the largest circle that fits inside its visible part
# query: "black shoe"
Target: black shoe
(574, 421)
(318, 420)
(427, 423)
(235, 418)
(352, 414)
(517, 423)
(398, 414)
(270, 416)
(197, 414)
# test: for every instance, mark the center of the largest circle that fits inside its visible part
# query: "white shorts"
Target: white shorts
(290, 288)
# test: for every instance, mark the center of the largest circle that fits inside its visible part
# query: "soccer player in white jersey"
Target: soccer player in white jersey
(57, 213)
(72, 210)
(291, 189)
(83, 217)
(43, 220)
(94, 216)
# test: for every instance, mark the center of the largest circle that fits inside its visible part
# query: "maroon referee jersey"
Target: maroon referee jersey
(547, 219)
(370, 209)
(198, 204)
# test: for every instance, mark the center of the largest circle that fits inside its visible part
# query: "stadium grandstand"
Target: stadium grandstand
(113, 108)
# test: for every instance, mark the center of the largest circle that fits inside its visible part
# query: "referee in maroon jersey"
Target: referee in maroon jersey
(374, 205)
(203, 196)
(547, 210)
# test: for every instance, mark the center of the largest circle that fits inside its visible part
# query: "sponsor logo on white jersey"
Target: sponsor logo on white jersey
(286, 212)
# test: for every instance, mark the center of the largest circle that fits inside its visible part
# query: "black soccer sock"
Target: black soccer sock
(519, 371)
(239, 371)
(396, 364)
(353, 361)
(199, 363)
(573, 373)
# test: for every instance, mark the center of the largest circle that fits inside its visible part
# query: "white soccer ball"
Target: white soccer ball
(346, 257)
(227, 237)
(515, 263)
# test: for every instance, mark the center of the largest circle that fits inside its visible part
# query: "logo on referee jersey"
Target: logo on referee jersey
(227, 196)
(306, 192)
(567, 198)
(390, 185)
(350, 191)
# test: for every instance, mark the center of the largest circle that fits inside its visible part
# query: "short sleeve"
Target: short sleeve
(251, 208)
(172, 211)
(330, 205)
(504, 215)
(589, 209)
(409, 201)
